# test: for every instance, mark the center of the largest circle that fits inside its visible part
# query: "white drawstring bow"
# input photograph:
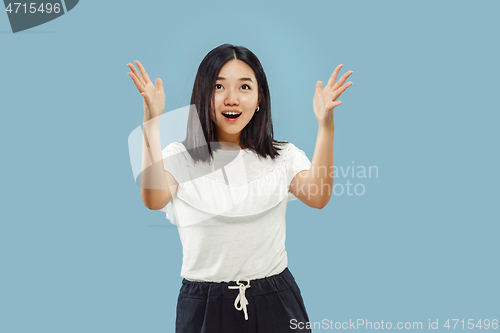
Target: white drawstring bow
(241, 296)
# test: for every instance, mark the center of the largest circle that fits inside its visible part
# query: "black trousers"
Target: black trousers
(272, 305)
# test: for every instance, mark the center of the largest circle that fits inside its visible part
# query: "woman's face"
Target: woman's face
(235, 90)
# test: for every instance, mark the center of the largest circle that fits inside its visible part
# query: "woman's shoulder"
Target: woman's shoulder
(176, 152)
(290, 153)
(175, 149)
(175, 146)
(286, 147)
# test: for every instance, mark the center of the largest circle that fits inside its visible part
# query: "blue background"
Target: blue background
(79, 251)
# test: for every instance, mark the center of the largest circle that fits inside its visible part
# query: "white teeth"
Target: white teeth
(232, 113)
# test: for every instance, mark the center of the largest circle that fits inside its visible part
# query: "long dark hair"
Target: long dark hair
(257, 134)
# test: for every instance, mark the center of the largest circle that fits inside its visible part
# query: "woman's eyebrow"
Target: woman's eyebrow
(241, 78)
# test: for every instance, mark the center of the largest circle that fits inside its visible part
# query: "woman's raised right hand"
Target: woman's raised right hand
(153, 97)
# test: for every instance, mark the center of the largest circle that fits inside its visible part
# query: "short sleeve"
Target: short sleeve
(296, 160)
(173, 162)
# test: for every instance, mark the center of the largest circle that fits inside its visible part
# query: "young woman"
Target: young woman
(226, 187)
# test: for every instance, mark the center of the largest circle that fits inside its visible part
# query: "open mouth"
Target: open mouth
(231, 115)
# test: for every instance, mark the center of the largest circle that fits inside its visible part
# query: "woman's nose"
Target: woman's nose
(231, 97)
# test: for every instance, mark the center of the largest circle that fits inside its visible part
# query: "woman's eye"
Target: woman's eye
(219, 85)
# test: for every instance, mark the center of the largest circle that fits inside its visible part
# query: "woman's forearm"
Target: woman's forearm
(320, 175)
(155, 192)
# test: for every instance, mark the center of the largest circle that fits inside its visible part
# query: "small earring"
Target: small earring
(258, 108)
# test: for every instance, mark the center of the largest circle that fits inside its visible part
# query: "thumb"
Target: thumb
(159, 84)
(319, 87)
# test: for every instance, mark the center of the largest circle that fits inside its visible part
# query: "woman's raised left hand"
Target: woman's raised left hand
(325, 100)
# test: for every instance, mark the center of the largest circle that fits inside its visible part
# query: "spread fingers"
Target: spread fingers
(143, 72)
(137, 82)
(137, 74)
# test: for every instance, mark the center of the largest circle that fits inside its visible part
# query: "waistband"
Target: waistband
(238, 290)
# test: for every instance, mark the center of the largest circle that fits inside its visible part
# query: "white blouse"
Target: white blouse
(230, 213)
